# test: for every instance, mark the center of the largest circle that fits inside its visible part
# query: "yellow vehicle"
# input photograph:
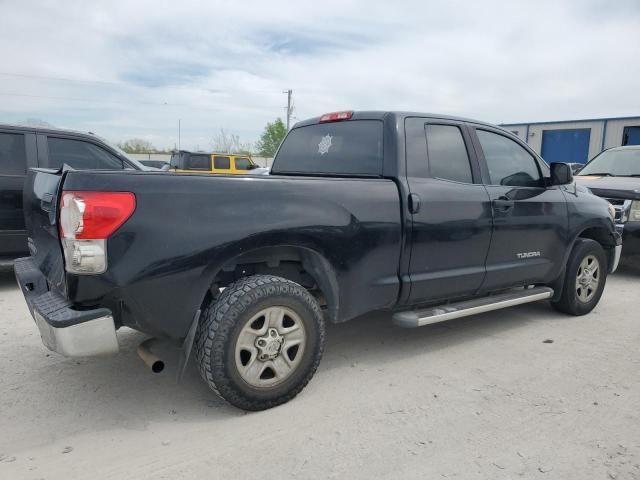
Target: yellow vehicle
(217, 163)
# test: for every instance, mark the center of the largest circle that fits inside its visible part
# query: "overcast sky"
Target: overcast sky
(128, 69)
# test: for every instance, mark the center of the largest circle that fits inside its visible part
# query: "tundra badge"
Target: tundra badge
(528, 254)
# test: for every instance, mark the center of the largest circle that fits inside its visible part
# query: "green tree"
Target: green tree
(271, 138)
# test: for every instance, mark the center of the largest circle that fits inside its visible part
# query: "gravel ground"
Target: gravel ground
(518, 393)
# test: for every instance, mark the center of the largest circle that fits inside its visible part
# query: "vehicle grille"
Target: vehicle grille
(622, 208)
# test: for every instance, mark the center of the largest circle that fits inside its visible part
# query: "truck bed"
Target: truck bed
(185, 228)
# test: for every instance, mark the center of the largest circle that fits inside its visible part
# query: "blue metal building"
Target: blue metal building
(577, 141)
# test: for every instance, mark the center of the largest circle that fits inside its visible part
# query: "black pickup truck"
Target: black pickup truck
(24, 147)
(427, 216)
(615, 175)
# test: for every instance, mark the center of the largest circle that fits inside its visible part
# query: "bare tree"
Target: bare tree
(137, 145)
(224, 142)
(35, 122)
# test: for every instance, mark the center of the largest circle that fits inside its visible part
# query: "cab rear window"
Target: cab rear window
(352, 148)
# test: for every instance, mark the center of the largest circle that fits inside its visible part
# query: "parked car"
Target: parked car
(615, 175)
(218, 163)
(26, 147)
(576, 167)
(429, 217)
(259, 171)
(157, 164)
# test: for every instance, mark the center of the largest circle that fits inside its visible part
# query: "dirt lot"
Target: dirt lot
(483, 397)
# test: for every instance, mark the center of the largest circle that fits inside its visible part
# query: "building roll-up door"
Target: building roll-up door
(569, 146)
(631, 136)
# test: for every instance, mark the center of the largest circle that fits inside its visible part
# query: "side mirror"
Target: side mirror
(561, 174)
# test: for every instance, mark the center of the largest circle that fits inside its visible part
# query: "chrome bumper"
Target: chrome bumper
(88, 339)
(63, 328)
(616, 258)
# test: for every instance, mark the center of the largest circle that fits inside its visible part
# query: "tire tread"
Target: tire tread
(218, 322)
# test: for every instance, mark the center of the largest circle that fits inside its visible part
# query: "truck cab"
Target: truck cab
(185, 161)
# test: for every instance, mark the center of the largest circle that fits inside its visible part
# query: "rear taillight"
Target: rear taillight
(336, 116)
(87, 219)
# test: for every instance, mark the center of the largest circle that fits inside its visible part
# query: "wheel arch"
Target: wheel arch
(604, 237)
(302, 265)
(600, 234)
(593, 231)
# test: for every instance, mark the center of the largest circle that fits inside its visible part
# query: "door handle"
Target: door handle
(503, 204)
(414, 203)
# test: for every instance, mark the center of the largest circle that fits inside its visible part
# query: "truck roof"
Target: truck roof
(381, 114)
(8, 126)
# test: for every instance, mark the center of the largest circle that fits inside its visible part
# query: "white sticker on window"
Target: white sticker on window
(324, 145)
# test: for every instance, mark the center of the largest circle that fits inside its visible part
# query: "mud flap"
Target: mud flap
(187, 344)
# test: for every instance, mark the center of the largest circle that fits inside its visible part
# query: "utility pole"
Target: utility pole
(289, 108)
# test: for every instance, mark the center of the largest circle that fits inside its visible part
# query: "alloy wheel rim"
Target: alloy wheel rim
(270, 347)
(587, 278)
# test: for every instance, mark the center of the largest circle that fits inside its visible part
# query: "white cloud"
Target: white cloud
(147, 64)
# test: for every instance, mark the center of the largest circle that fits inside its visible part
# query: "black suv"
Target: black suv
(22, 148)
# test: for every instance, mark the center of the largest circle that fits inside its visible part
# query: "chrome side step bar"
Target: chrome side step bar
(419, 318)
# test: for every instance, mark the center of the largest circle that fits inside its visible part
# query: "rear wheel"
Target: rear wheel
(260, 343)
(585, 278)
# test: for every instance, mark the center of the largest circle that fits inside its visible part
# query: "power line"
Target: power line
(121, 102)
(78, 99)
(289, 92)
(125, 84)
(61, 79)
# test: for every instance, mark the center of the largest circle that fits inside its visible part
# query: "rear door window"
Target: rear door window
(198, 162)
(448, 158)
(352, 147)
(80, 155)
(13, 154)
(221, 163)
(242, 164)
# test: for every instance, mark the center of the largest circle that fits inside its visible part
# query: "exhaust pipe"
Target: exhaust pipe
(150, 360)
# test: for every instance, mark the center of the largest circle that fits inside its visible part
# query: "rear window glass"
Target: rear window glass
(341, 148)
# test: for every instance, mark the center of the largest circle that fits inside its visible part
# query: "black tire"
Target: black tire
(223, 322)
(570, 302)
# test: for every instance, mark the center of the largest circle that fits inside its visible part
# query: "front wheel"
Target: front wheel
(584, 279)
(260, 342)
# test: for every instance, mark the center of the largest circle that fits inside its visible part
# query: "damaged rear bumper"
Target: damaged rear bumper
(63, 328)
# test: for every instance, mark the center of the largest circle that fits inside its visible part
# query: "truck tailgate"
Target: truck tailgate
(40, 207)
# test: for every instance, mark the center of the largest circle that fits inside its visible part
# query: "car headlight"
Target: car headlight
(612, 212)
(634, 211)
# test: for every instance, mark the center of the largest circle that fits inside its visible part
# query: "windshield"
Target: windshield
(618, 163)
